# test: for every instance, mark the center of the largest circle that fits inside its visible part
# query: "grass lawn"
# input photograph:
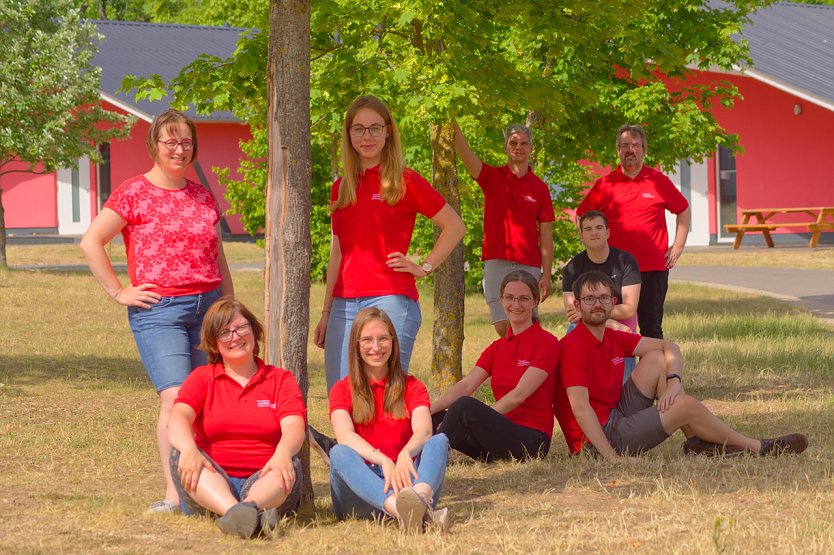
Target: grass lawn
(77, 415)
(821, 258)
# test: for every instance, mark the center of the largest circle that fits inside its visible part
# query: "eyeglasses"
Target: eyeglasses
(186, 144)
(242, 331)
(381, 341)
(631, 146)
(522, 299)
(376, 130)
(591, 300)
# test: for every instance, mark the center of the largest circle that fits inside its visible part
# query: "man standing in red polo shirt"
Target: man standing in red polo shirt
(635, 199)
(518, 216)
(598, 412)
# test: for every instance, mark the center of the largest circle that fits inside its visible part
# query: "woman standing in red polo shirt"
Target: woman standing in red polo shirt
(522, 366)
(236, 428)
(386, 462)
(373, 209)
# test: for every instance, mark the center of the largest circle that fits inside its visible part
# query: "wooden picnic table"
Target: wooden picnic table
(817, 220)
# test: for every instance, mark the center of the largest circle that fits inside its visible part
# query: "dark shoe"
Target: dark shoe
(697, 446)
(412, 510)
(792, 444)
(241, 520)
(321, 443)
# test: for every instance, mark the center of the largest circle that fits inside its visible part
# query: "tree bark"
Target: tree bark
(288, 244)
(447, 338)
(4, 263)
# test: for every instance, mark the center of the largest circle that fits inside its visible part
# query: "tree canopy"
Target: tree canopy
(573, 70)
(50, 113)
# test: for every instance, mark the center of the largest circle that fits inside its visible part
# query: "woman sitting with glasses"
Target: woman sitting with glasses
(236, 429)
(522, 368)
(373, 209)
(175, 263)
(387, 462)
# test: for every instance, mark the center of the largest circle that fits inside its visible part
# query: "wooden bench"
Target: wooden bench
(819, 224)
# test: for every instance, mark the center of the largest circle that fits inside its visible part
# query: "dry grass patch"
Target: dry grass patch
(821, 258)
(79, 463)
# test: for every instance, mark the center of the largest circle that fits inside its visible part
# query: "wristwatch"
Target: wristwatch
(426, 267)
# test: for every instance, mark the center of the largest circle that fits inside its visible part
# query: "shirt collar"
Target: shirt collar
(220, 370)
(528, 331)
(509, 173)
(620, 176)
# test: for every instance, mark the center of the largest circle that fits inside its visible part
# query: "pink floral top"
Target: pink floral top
(170, 236)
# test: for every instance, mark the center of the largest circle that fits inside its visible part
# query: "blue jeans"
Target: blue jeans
(167, 335)
(404, 313)
(356, 486)
(630, 362)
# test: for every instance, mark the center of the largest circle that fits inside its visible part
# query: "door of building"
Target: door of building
(74, 198)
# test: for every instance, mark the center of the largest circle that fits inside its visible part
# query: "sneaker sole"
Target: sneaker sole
(411, 509)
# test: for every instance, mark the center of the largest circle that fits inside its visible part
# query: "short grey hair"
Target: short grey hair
(514, 128)
(632, 130)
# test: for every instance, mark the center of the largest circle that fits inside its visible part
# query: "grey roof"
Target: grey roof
(794, 43)
(142, 49)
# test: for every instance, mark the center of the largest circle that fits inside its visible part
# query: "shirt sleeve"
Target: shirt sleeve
(421, 195)
(674, 199)
(487, 357)
(289, 400)
(628, 341)
(573, 364)
(340, 396)
(631, 272)
(546, 213)
(569, 274)
(194, 389)
(592, 200)
(546, 356)
(121, 200)
(416, 394)
(486, 177)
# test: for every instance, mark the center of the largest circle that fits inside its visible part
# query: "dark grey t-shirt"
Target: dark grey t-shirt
(621, 267)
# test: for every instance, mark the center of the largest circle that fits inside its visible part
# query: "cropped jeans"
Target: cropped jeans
(356, 486)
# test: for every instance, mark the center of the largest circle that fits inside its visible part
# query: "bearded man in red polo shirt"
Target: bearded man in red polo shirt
(596, 411)
(518, 217)
(635, 199)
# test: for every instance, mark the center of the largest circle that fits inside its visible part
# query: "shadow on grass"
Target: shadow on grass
(104, 372)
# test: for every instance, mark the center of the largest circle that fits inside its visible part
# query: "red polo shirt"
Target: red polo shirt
(240, 427)
(384, 432)
(597, 365)
(513, 206)
(636, 212)
(371, 229)
(508, 358)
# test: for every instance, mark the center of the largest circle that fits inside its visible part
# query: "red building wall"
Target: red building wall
(29, 199)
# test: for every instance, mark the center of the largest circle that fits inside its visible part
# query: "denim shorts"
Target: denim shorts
(167, 335)
(404, 313)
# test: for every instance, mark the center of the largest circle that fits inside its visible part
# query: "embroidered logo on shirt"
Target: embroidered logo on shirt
(265, 404)
(646, 195)
(376, 196)
(616, 361)
(528, 198)
(522, 362)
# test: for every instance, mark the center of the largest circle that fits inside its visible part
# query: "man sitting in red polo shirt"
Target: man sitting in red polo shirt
(596, 410)
(518, 216)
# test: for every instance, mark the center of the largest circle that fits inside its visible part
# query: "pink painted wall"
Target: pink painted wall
(785, 163)
(29, 199)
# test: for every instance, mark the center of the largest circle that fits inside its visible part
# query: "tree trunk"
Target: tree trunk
(447, 338)
(288, 246)
(4, 263)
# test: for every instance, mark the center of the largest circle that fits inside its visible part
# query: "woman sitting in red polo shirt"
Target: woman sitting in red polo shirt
(236, 428)
(387, 463)
(522, 366)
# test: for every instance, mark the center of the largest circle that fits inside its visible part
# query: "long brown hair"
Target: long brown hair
(391, 164)
(362, 398)
(218, 317)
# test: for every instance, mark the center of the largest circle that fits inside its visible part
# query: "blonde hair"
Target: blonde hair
(392, 164)
(362, 398)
